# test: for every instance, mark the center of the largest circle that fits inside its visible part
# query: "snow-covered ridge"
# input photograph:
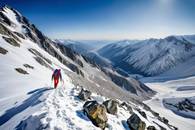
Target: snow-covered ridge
(151, 57)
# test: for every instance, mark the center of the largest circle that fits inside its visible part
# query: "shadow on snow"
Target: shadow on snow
(30, 101)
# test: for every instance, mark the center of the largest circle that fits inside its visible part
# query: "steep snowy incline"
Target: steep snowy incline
(25, 72)
(23, 94)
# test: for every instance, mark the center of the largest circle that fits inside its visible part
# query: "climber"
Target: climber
(56, 76)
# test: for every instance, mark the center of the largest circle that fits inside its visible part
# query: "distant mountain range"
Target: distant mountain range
(151, 57)
(83, 46)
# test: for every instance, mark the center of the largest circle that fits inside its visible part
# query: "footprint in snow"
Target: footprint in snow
(48, 119)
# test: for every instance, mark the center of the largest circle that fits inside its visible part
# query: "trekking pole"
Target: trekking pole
(63, 83)
(51, 83)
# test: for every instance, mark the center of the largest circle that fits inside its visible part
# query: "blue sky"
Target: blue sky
(109, 19)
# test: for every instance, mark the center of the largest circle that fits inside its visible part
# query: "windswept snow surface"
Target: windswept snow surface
(168, 91)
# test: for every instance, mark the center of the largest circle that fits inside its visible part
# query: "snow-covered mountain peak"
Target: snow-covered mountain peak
(11, 17)
(151, 57)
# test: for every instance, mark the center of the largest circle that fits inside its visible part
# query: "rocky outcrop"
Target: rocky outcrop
(28, 66)
(7, 32)
(186, 104)
(132, 85)
(11, 41)
(96, 113)
(135, 123)
(19, 35)
(3, 51)
(111, 106)
(21, 71)
(69, 53)
(4, 18)
(74, 68)
(142, 113)
(41, 59)
(164, 120)
(151, 128)
(127, 107)
(84, 95)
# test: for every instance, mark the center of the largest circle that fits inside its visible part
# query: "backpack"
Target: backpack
(56, 73)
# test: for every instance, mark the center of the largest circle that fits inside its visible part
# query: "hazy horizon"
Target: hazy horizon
(109, 19)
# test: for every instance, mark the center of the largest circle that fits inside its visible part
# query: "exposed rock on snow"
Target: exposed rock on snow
(11, 41)
(142, 113)
(28, 66)
(111, 106)
(7, 32)
(84, 95)
(151, 128)
(181, 106)
(19, 35)
(3, 51)
(96, 113)
(41, 59)
(135, 123)
(20, 70)
(127, 107)
(129, 84)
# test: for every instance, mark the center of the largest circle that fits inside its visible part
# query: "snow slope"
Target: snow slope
(61, 109)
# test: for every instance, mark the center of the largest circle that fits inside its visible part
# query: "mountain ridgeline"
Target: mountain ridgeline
(150, 57)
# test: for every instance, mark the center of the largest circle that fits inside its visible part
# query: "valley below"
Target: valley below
(171, 93)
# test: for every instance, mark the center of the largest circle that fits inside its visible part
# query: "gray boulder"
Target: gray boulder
(151, 128)
(142, 113)
(3, 51)
(127, 107)
(21, 71)
(84, 95)
(135, 123)
(165, 120)
(111, 106)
